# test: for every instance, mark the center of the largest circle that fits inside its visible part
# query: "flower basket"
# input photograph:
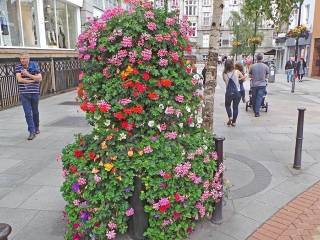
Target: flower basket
(299, 31)
(147, 156)
(254, 41)
(236, 43)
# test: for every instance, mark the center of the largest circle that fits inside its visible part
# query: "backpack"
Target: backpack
(232, 89)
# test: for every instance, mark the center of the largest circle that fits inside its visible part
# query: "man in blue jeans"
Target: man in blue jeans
(259, 73)
(29, 77)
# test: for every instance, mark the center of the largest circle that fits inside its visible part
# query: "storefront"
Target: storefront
(39, 24)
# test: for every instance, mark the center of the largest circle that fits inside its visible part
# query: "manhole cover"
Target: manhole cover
(70, 122)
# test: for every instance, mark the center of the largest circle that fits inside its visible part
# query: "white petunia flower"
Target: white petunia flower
(188, 109)
(122, 136)
(107, 123)
(180, 125)
(161, 106)
(151, 123)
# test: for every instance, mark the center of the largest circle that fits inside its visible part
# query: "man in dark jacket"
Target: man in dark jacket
(204, 71)
(290, 65)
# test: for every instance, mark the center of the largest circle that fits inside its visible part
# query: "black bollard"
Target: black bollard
(217, 214)
(299, 138)
(5, 230)
(138, 223)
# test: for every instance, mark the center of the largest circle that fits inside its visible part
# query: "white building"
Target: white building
(285, 47)
(226, 34)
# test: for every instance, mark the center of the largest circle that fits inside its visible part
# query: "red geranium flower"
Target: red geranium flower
(128, 84)
(167, 176)
(145, 76)
(135, 71)
(176, 215)
(92, 155)
(78, 153)
(127, 111)
(167, 83)
(188, 70)
(189, 230)
(127, 126)
(135, 94)
(137, 109)
(84, 106)
(153, 96)
(177, 197)
(164, 208)
(140, 87)
(73, 168)
(119, 115)
(91, 107)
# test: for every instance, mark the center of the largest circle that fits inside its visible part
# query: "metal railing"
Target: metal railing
(58, 75)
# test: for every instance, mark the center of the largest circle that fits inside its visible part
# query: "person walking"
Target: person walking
(289, 68)
(301, 68)
(259, 73)
(203, 73)
(231, 77)
(239, 67)
(29, 77)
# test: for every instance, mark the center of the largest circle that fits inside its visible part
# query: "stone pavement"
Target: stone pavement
(259, 156)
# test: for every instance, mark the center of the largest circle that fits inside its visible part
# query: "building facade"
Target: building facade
(314, 63)
(285, 47)
(226, 34)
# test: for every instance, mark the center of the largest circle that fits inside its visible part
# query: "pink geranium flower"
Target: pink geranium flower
(129, 212)
(151, 26)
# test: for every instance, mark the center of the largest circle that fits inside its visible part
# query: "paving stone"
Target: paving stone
(7, 163)
(274, 198)
(48, 177)
(17, 196)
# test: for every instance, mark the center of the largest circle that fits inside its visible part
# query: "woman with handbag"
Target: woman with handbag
(231, 77)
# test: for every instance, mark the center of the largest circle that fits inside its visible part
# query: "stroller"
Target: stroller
(264, 104)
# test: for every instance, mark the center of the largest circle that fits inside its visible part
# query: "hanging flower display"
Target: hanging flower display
(236, 43)
(145, 111)
(255, 40)
(299, 31)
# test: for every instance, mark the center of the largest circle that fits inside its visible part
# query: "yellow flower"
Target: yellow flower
(140, 152)
(129, 69)
(108, 166)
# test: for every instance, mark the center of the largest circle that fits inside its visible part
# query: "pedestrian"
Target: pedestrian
(240, 68)
(289, 68)
(231, 77)
(248, 63)
(301, 68)
(29, 77)
(204, 72)
(259, 73)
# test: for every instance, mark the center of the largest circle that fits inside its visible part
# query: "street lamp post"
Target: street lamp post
(296, 49)
(238, 24)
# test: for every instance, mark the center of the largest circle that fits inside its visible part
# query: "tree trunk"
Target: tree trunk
(211, 75)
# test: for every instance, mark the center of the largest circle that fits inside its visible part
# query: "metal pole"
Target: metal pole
(217, 214)
(255, 33)
(299, 138)
(296, 50)
(5, 230)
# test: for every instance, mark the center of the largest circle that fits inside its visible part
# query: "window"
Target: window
(99, 3)
(62, 25)
(225, 42)
(205, 58)
(206, 2)
(29, 19)
(72, 21)
(10, 24)
(194, 28)
(190, 7)
(206, 19)
(205, 40)
(50, 22)
(159, 3)
(307, 13)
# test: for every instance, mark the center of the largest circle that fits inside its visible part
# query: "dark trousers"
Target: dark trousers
(234, 100)
(30, 103)
(257, 98)
(242, 90)
(300, 76)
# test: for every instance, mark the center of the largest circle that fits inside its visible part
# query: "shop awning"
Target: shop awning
(79, 3)
(271, 52)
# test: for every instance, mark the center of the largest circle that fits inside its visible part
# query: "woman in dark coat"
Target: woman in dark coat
(301, 69)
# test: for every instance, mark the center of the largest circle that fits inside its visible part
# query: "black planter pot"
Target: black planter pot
(138, 223)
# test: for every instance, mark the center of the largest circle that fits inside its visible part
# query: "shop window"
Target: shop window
(50, 22)
(62, 25)
(30, 22)
(72, 21)
(191, 7)
(10, 34)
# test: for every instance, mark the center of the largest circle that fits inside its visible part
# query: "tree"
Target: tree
(211, 75)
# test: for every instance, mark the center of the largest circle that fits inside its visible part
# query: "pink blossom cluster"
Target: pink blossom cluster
(183, 169)
(112, 225)
(132, 56)
(190, 156)
(151, 26)
(106, 72)
(201, 209)
(205, 196)
(110, 13)
(163, 127)
(122, 53)
(115, 60)
(149, 15)
(125, 101)
(163, 62)
(97, 178)
(194, 81)
(114, 34)
(178, 113)
(184, 27)
(162, 52)
(167, 37)
(169, 110)
(104, 105)
(162, 202)
(146, 54)
(126, 42)
(174, 56)
(179, 98)
(166, 222)
(158, 38)
(82, 181)
(111, 234)
(148, 149)
(129, 212)
(214, 156)
(76, 202)
(171, 135)
(199, 151)
(194, 178)
(170, 21)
